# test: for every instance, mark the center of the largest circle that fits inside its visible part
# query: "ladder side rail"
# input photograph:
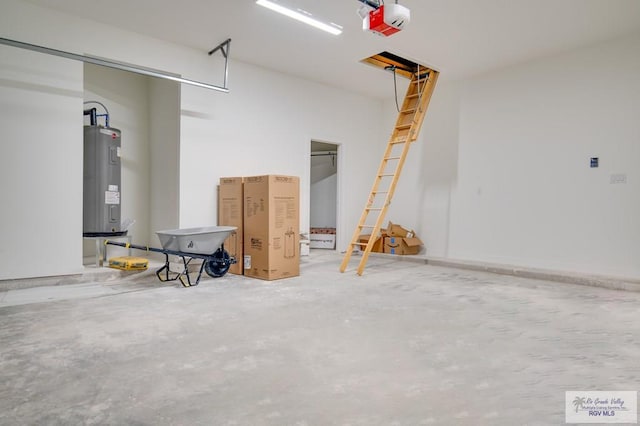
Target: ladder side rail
(365, 213)
(389, 195)
(415, 130)
(409, 130)
(422, 106)
(375, 231)
(405, 149)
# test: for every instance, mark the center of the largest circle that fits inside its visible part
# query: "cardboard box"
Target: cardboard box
(402, 246)
(377, 245)
(315, 230)
(323, 241)
(230, 213)
(395, 230)
(271, 226)
(323, 238)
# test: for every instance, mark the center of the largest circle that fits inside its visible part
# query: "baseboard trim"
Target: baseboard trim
(613, 283)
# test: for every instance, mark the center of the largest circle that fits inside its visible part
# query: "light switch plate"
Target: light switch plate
(618, 178)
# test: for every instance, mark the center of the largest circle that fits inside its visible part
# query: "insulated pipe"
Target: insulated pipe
(93, 115)
(105, 115)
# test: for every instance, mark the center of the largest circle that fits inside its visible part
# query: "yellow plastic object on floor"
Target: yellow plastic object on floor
(129, 263)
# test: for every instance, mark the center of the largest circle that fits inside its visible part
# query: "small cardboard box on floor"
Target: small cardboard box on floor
(271, 224)
(323, 238)
(230, 213)
(378, 247)
(401, 241)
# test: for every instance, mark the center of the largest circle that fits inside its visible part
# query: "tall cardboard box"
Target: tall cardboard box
(271, 226)
(230, 213)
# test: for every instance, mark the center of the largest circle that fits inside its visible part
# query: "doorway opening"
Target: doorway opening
(323, 195)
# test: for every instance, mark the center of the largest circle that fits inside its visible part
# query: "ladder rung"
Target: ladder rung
(380, 192)
(415, 95)
(403, 126)
(392, 158)
(366, 226)
(401, 139)
(373, 208)
(359, 244)
(422, 80)
(387, 174)
(408, 111)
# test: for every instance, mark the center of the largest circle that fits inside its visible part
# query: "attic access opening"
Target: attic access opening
(389, 61)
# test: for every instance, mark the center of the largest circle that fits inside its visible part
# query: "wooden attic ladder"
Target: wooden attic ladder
(406, 131)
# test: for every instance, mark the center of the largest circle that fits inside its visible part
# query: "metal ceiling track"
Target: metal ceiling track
(128, 67)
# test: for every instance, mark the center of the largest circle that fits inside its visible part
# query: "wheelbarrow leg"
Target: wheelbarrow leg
(185, 273)
(165, 268)
(200, 272)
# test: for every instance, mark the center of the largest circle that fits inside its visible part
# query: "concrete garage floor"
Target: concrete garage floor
(407, 344)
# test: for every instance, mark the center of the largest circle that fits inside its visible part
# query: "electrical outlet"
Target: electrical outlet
(618, 178)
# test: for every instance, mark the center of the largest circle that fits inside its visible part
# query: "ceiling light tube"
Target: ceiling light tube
(299, 17)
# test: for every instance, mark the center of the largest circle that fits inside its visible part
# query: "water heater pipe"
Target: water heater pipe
(93, 115)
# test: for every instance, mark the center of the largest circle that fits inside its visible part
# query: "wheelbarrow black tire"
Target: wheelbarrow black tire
(217, 265)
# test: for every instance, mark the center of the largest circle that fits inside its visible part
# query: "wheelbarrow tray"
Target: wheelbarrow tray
(203, 240)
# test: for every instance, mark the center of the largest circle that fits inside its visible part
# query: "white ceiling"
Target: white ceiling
(458, 37)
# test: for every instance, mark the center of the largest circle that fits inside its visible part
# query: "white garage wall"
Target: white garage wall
(164, 133)
(40, 165)
(263, 126)
(522, 192)
(526, 192)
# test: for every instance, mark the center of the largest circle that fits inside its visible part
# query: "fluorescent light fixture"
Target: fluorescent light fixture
(299, 17)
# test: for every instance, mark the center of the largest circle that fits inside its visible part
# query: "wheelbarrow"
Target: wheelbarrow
(204, 243)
